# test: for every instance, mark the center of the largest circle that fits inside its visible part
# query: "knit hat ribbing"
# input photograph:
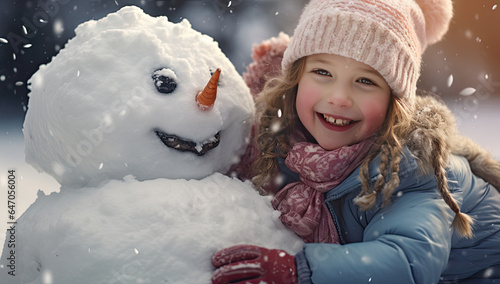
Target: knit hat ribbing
(388, 35)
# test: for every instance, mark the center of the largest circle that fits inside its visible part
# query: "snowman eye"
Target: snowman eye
(165, 80)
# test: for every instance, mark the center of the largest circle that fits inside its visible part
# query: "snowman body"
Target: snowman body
(154, 231)
(115, 119)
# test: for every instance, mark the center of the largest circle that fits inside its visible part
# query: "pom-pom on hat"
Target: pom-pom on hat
(388, 35)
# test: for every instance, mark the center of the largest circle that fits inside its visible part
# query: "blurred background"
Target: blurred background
(464, 69)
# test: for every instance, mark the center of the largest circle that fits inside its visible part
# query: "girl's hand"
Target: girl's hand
(253, 264)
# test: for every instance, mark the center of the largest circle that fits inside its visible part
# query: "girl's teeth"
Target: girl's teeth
(338, 121)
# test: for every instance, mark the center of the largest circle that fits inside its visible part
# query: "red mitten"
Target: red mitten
(266, 63)
(253, 264)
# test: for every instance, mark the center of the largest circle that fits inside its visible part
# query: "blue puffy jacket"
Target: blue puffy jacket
(411, 240)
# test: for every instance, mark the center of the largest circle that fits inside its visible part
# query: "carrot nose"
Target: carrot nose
(206, 98)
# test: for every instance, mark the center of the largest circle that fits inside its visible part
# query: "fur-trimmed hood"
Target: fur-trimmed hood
(434, 126)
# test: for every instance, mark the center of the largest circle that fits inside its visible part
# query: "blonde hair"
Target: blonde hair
(278, 96)
(278, 122)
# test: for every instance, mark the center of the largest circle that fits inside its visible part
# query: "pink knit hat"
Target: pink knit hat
(388, 35)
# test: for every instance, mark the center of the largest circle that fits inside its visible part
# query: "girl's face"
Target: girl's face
(341, 101)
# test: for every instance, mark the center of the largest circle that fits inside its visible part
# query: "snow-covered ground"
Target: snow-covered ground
(479, 119)
(28, 180)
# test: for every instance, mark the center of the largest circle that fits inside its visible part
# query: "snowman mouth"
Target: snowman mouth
(182, 145)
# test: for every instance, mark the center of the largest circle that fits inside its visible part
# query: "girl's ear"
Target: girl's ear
(267, 57)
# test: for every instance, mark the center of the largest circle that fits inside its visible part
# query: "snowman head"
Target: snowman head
(125, 97)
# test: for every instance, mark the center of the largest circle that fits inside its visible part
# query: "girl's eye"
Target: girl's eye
(366, 81)
(322, 72)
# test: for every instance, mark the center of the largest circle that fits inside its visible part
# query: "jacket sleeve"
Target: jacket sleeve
(407, 242)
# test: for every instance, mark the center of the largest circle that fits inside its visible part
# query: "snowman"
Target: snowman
(138, 119)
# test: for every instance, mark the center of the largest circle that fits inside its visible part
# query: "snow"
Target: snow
(467, 91)
(129, 208)
(155, 231)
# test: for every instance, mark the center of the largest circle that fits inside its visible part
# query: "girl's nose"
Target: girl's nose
(340, 97)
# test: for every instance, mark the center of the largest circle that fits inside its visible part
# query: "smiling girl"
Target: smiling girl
(360, 166)
(341, 101)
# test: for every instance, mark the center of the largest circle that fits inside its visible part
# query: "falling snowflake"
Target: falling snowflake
(467, 91)
(449, 81)
(58, 27)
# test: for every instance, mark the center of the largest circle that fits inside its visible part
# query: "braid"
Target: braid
(393, 183)
(434, 122)
(389, 147)
(383, 167)
(367, 197)
(462, 222)
(364, 175)
(400, 124)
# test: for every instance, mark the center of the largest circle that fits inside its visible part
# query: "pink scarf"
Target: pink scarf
(301, 203)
